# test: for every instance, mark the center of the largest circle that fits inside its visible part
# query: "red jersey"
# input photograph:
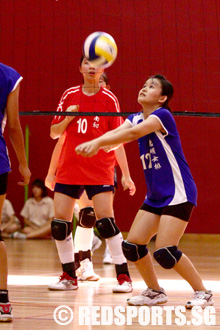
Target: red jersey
(73, 168)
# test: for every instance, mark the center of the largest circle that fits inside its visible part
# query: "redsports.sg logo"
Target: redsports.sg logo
(144, 315)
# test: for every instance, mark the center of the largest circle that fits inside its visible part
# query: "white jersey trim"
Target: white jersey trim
(70, 92)
(67, 92)
(180, 192)
(135, 119)
(71, 88)
(17, 83)
(161, 124)
(113, 98)
(128, 121)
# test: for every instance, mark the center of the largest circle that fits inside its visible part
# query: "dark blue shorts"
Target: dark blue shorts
(3, 183)
(75, 191)
(181, 211)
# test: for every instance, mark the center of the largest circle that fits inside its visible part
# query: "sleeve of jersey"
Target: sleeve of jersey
(24, 211)
(166, 119)
(13, 79)
(60, 108)
(130, 119)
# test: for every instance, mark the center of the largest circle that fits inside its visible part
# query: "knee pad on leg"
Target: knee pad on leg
(107, 227)
(167, 257)
(1, 239)
(87, 217)
(60, 229)
(134, 252)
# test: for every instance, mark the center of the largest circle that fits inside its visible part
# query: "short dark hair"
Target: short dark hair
(40, 184)
(105, 78)
(167, 89)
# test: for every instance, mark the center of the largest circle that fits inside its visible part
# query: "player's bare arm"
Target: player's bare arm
(57, 130)
(120, 128)
(149, 125)
(16, 136)
(51, 175)
(126, 181)
(112, 146)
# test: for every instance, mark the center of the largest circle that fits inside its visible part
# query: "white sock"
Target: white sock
(65, 249)
(115, 248)
(83, 239)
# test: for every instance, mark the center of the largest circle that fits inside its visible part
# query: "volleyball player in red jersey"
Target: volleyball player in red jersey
(76, 174)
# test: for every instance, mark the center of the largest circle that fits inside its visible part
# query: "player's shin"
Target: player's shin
(109, 230)
(62, 233)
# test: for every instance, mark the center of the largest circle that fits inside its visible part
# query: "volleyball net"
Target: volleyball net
(181, 39)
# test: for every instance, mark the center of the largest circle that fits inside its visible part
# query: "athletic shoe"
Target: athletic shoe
(65, 283)
(96, 243)
(124, 284)
(107, 259)
(86, 272)
(148, 297)
(18, 235)
(5, 312)
(200, 298)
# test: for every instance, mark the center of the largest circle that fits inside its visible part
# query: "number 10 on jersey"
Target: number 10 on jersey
(82, 125)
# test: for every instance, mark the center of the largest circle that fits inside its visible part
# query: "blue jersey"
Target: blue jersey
(9, 80)
(167, 174)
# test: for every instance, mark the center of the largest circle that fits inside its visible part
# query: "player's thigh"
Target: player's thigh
(103, 205)
(170, 231)
(144, 227)
(84, 201)
(63, 206)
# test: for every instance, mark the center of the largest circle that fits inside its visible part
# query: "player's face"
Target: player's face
(90, 72)
(151, 92)
(102, 82)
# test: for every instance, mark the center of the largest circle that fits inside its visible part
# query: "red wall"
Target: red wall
(43, 40)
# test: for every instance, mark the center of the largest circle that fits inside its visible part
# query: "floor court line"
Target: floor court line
(170, 285)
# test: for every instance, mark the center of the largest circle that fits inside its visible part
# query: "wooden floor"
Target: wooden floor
(34, 263)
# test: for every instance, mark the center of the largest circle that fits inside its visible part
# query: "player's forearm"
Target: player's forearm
(56, 155)
(57, 130)
(17, 140)
(122, 161)
(115, 138)
(52, 168)
(54, 160)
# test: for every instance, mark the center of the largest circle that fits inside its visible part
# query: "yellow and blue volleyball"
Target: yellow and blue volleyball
(100, 49)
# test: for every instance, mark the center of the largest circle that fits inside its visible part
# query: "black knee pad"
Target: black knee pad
(87, 217)
(134, 252)
(107, 227)
(167, 257)
(60, 229)
(1, 239)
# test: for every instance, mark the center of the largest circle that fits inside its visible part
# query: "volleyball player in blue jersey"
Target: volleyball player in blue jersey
(9, 96)
(171, 193)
